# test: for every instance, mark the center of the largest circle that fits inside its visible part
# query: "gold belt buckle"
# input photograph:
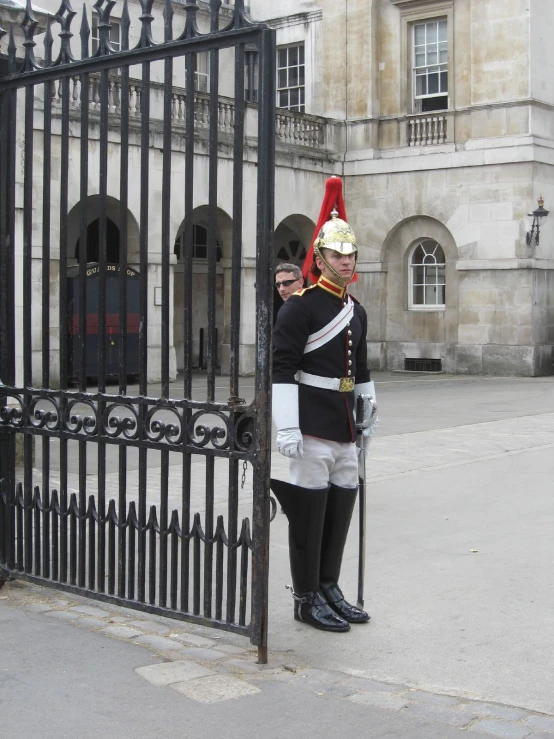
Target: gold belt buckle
(346, 385)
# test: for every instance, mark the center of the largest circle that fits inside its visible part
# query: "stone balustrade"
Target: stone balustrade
(300, 129)
(427, 130)
(291, 128)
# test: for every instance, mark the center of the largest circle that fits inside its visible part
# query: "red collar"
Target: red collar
(332, 287)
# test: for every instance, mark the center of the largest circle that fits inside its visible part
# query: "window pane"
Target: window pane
(418, 275)
(417, 256)
(293, 77)
(441, 295)
(294, 97)
(444, 82)
(419, 35)
(430, 275)
(200, 235)
(282, 56)
(440, 275)
(301, 54)
(420, 59)
(114, 34)
(282, 81)
(432, 32)
(443, 54)
(293, 56)
(439, 254)
(284, 99)
(432, 55)
(442, 31)
(418, 295)
(301, 91)
(421, 85)
(200, 252)
(430, 295)
(301, 75)
(433, 83)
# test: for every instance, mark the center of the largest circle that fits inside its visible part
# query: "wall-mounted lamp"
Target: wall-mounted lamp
(539, 217)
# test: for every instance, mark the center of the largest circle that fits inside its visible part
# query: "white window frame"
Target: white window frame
(426, 244)
(95, 33)
(301, 106)
(202, 72)
(429, 59)
(411, 15)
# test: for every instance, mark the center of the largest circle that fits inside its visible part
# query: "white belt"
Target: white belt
(340, 384)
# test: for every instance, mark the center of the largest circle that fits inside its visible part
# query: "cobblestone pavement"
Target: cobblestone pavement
(209, 668)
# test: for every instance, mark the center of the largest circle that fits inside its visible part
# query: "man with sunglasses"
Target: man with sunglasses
(319, 370)
(288, 280)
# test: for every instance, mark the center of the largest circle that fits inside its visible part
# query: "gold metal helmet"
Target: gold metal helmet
(337, 235)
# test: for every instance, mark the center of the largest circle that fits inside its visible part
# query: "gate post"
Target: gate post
(7, 342)
(264, 323)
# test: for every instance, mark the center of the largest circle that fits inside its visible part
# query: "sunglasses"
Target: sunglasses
(286, 283)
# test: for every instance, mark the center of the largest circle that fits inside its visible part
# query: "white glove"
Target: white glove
(289, 443)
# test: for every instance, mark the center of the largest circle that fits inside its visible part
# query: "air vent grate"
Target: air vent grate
(423, 365)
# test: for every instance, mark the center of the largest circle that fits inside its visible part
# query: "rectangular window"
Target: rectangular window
(202, 72)
(291, 78)
(430, 66)
(114, 37)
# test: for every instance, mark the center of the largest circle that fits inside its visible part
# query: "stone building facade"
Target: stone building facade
(438, 114)
(447, 133)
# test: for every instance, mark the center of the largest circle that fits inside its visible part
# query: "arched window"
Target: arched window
(199, 244)
(427, 275)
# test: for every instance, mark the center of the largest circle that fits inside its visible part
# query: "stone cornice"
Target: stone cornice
(295, 20)
(465, 265)
(403, 4)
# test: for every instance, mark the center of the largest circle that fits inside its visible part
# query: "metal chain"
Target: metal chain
(243, 478)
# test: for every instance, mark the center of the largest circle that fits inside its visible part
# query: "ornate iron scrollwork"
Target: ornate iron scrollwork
(41, 418)
(201, 435)
(15, 415)
(77, 423)
(156, 429)
(116, 425)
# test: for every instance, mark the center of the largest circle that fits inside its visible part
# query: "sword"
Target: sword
(360, 443)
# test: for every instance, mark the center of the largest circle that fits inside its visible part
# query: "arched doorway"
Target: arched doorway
(292, 241)
(113, 246)
(93, 242)
(114, 228)
(200, 287)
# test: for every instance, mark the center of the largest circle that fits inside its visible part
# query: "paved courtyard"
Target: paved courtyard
(459, 585)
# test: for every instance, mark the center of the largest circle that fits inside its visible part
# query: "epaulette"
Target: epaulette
(303, 290)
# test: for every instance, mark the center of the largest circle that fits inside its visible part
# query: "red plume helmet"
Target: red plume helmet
(332, 201)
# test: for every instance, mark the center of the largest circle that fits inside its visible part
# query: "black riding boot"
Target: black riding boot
(305, 510)
(340, 504)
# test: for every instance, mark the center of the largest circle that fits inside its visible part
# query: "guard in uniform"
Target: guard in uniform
(319, 369)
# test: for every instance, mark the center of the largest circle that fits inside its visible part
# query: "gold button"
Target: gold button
(349, 372)
(349, 343)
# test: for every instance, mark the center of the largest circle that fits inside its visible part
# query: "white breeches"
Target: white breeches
(324, 462)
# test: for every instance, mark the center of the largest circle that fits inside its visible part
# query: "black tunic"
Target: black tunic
(325, 414)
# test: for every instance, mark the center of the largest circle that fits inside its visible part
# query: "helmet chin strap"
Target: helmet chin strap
(342, 280)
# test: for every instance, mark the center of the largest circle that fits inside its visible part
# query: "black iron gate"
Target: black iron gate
(132, 494)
